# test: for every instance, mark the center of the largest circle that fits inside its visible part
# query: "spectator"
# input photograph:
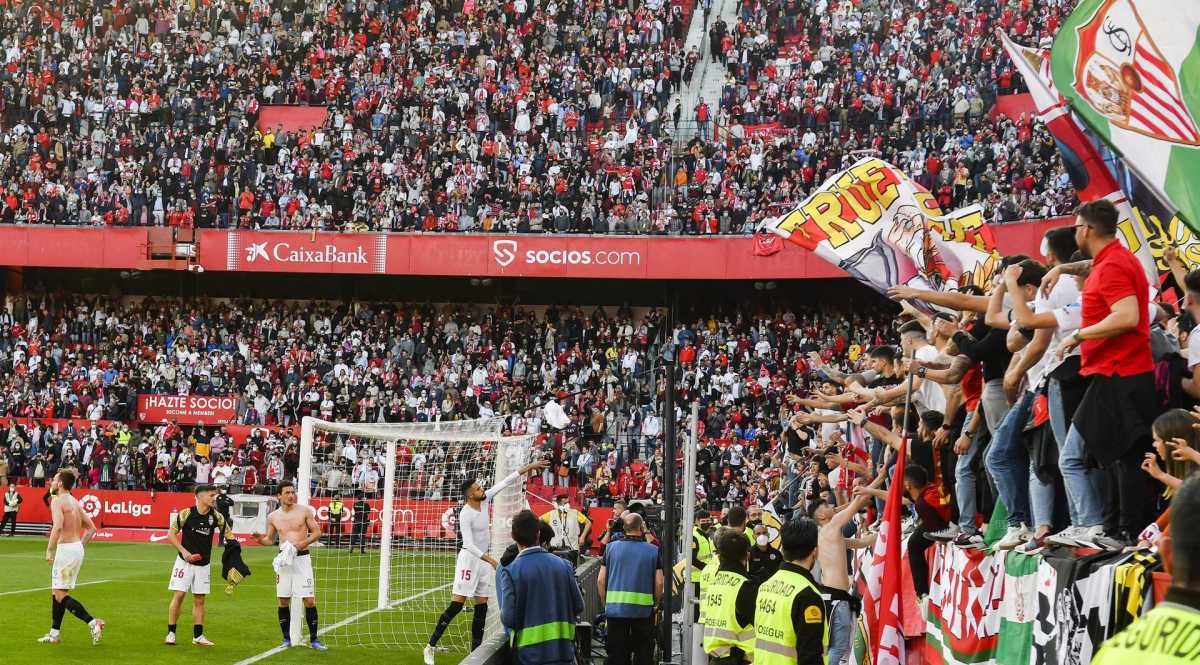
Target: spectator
(1113, 419)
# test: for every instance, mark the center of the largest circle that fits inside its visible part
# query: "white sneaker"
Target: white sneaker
(428, 654)
(170, 640)
(201, 641)
(1067, 537)
(1092, 536)
(1014, 536)
(97, 626)
(945, 535)
(49, 638)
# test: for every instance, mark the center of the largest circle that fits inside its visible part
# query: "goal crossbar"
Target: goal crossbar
(506, 454)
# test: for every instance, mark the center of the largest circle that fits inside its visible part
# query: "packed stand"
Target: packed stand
(513, 117)
(812, 86)
(478, 115)
(85, 359)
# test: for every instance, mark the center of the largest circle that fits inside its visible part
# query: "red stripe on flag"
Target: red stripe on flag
(1175, 131)
(1145, 54)
(1170, 104)
(1149, 124)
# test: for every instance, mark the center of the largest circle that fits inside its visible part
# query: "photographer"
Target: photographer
(571, 528)
(616, 527)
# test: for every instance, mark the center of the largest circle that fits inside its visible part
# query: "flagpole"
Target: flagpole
(888, 552)
(908, 399)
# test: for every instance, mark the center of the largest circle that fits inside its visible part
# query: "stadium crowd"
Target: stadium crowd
(500, 117)
(1054, 409)
(798, 408)
(68, 356)
(810, 84)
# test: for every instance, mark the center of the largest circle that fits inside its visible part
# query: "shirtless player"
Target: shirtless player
(290, 523)
(72, 530)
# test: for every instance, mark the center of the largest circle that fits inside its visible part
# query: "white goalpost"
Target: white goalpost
(384, 571)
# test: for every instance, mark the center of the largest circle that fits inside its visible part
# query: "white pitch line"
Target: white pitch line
(46, 588)
(348, 620)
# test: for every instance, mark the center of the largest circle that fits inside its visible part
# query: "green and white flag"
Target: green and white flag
(1131, 70)
(1018, 609)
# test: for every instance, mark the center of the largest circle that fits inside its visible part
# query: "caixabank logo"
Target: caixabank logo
(283, 252)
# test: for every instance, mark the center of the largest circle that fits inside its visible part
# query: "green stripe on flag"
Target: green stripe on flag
(1018, 610)
(997, 525)
(936, 638)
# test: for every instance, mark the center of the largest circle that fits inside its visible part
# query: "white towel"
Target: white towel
(287, 552)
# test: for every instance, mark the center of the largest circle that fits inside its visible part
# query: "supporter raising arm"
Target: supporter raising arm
(953, 299)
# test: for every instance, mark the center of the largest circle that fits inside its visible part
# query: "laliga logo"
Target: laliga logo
(448, 518)
(90, 504)
(93, 506)
(505, 252)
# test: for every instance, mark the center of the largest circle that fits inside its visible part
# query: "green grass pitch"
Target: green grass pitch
(126, 585)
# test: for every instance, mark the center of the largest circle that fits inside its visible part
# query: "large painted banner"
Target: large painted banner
(187, 409)
(1009, 608)
(885, 230)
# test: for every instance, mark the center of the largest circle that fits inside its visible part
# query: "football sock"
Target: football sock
(285, 622)
(310, 617)
(477, 623)
(75, 607)
(444, 622)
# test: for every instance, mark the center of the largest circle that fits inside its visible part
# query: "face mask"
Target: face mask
(762, 539)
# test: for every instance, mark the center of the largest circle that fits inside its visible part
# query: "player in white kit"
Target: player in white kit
(475, 570)
(72, 530)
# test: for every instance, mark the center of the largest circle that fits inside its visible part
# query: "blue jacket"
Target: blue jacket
(539, 603)
(629, 568)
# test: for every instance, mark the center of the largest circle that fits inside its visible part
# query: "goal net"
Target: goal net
(384, 571)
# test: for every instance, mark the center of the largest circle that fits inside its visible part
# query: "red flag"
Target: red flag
(767, 243)
(885, 575)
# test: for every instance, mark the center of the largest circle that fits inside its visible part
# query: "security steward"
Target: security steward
(630, 584)
(1169, 634)
(729, 603)
(702, 555)
(224, 503)
(764, 559)
(791, 620)
(336, 506)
